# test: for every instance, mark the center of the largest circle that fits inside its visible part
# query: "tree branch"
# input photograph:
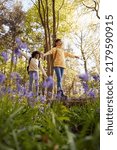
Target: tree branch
(58, 13)
(93, 8)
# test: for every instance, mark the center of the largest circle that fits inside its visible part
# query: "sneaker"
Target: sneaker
(61, 95)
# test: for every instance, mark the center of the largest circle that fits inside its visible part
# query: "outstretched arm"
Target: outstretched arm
(67, 54)
(49, 52)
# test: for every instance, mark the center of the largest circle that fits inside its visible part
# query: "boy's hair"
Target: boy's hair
(35, 53)
(56, 42)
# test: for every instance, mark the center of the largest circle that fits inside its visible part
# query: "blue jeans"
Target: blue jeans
(33, 75)
(59, 73)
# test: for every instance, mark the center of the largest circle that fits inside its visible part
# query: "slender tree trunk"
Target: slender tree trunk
(54, 22)
(82, 52)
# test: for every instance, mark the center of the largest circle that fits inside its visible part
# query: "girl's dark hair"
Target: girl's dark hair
(35, 53)
(56, 42)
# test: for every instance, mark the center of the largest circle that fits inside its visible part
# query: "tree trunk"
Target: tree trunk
(82, 52)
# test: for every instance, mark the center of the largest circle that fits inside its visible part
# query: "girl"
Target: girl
(59, 63)
(33, 69)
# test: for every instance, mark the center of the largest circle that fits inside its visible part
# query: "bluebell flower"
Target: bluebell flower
(42, 98)
(18, 87)
(14, 59)
(18, 41)
(48, 83)
(23, 46)
(2, 77)
(29, 94)
(91, 93)
(9, 90)
(15, 75)
(85, 86)
(84, 77)
(5, 56)
(3, 89)
(96, 77)
(17, 52)
(44, 84)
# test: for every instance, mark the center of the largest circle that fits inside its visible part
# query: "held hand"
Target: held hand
(42, 55)
(77, 57)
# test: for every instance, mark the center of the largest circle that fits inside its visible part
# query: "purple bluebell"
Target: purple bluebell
(3, 89)
(23, 45)
(9, 90)
(2, 77)
(5, 56)
(18, 87)
(84, 77)
(14, 59)
(18, 41)
(17, 52)
(48, 83)
(42, 98)
(91, 93)
(44, 84)
(96, 77)
(29, 94)
(15, 75)
(85, 86)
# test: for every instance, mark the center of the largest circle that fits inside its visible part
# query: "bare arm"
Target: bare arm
(67, 54)
(49, 52)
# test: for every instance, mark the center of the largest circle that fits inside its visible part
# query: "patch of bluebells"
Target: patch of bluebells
(42, 98)
(14, 59)
(18, 41)
(85, 86)
(96, 77)
(20, 44)
(23, 46)
(2, 78)
(91, 93)
(5, 56)
(48, 83)
(17, 52)
(85, 80)
(84, 77)
(29, 94)
(15, 75)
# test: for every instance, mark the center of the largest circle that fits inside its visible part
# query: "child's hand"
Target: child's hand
(42, 55)
(77, 57)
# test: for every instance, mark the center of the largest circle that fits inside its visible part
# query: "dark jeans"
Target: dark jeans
(33, 75)
(59, 73)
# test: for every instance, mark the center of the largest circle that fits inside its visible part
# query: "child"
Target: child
(59, 63)
(34, 65)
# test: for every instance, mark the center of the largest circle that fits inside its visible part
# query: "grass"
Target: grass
(52, 126)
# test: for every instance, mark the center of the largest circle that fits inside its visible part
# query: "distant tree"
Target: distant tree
(11, 27)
